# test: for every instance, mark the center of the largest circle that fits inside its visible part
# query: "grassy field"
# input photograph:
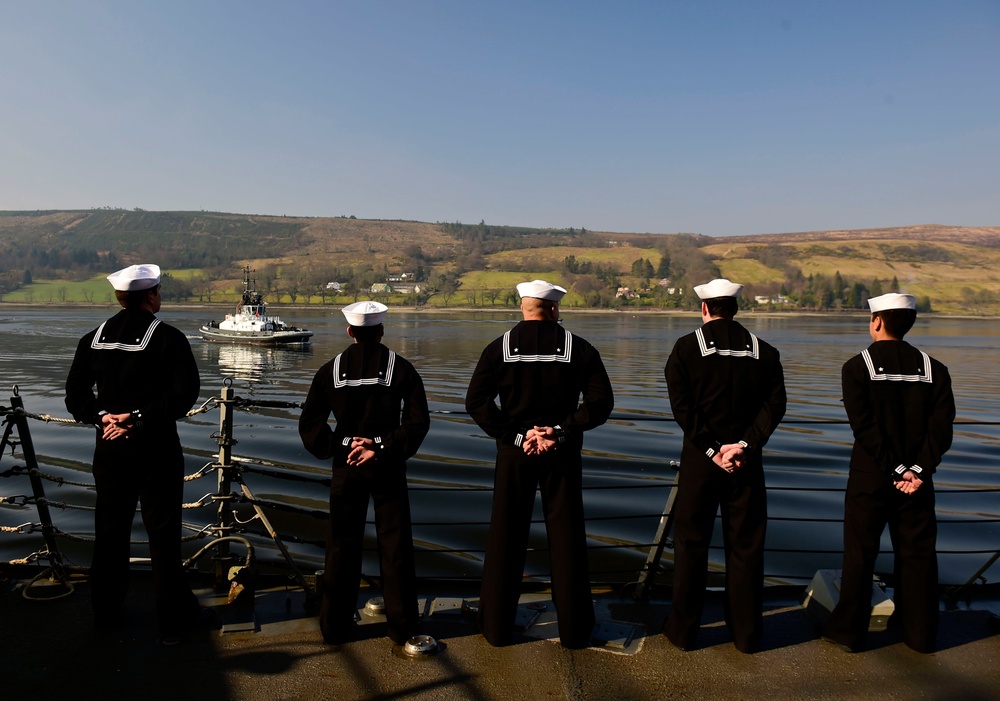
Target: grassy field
(96, 290)
(962, 266)
(552, 257)
(746, 271)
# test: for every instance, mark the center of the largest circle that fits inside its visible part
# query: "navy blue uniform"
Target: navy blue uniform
(901, 408)
(138, 364)
(372, 393)
(725, 386)
(539, 371)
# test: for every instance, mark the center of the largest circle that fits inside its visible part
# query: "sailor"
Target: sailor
(146, 379)
(539, 370)
(901, 408)
(727, 394)
(364, 387)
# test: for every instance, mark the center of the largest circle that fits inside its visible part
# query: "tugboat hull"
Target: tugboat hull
(263, 338)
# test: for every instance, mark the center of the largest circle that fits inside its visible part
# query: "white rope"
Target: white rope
(208, 405)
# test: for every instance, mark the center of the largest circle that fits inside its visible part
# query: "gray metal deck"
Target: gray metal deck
(49, 650)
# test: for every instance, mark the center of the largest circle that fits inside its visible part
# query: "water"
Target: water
(625, 462)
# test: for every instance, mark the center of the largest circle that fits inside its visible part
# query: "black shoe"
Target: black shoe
(339, 637)
(682, 648)
(108, 624)
(204, 619)
(843, 647)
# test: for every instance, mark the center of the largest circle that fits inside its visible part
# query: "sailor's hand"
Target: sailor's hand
(116, 426)
(721, 461)
(908, 483)
(733, 453)
(539, 439)
(362, 450)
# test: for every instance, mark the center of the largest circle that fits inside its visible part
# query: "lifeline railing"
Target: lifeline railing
(229, 473)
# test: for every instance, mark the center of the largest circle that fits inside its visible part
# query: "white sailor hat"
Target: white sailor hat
(893, 300)
(719, 287)
(365, 313)
(135, 278)
(541, 290)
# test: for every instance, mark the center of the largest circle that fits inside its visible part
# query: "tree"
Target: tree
(351, 289)
(858, 297)
(585, 284)
(642, 268)
(447, 286)
(663, 269)
(894, 286)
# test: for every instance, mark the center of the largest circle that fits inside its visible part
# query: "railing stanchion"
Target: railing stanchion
(224, 494)
(52, 554)
(228, 475)
(648, 573)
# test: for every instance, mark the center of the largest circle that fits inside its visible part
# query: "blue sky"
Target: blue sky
(723, 117)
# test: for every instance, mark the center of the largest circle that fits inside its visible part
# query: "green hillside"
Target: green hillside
(63, 256)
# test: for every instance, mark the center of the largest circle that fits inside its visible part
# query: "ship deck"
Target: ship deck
(50, 649)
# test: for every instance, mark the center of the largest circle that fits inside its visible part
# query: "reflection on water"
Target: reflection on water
(626, 461)
(254, 364)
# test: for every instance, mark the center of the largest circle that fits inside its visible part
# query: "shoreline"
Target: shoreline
(223, 306)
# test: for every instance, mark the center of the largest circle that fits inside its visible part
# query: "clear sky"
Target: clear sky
(723, 117)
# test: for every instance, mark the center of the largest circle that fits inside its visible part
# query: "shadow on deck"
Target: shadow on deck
(51, 650)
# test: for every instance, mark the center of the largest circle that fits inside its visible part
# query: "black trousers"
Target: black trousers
(518, 476)
(871, 503)
(150, 472)
(703, 489)
(350, 491)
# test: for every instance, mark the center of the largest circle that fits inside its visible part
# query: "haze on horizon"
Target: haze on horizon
(722, 118)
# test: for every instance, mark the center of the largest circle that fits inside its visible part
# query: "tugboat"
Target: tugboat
(251, 322)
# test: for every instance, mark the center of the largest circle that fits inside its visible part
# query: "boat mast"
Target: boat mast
(246, 298)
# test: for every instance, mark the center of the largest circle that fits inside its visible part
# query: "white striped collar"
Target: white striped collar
(140, 343)
(562, 355)
(383, 378)
(880, 375)
(708, 347)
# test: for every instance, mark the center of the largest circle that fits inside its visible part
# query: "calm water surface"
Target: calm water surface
(626, 461)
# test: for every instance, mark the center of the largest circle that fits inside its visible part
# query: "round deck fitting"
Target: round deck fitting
(420, 645)
(375, 606)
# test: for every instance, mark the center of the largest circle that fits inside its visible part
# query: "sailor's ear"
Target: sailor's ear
(350, 331)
